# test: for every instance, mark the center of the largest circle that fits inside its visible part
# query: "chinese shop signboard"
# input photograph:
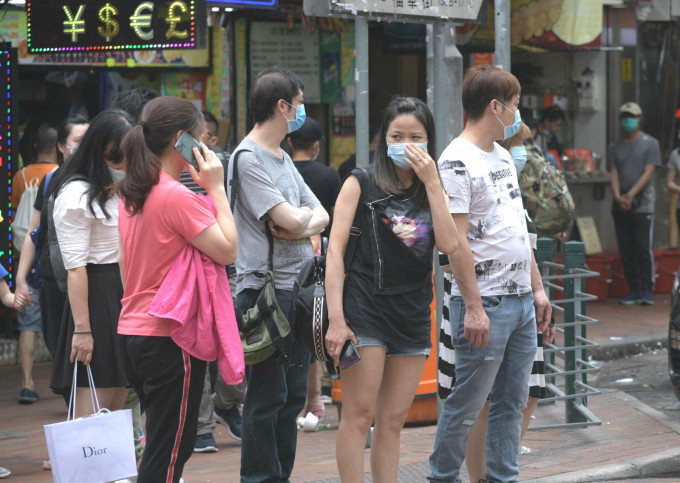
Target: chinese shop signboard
(466, 10)
(68, 26)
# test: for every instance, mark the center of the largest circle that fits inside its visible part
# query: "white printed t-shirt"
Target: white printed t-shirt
(484, 185)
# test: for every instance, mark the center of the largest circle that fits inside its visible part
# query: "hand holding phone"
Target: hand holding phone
(185, 145)
(349, 355)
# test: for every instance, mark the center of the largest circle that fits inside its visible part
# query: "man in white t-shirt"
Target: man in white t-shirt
(496, 282)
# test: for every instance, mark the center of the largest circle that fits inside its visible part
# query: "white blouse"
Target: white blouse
(83, 237)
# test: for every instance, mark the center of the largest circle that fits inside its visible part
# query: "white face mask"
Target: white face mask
(116, 174)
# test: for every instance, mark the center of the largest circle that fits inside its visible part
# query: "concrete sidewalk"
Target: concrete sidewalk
(633, 441)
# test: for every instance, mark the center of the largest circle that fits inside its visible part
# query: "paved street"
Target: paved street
(631, 430)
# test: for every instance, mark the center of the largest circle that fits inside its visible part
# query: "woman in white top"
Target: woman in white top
(86, 222)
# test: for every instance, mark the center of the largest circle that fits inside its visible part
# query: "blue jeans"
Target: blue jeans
(275, 396)
(500, 371)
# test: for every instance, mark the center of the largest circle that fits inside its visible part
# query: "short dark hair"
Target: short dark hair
(553, 113)
(64, 131)
(484, 83)
(210, 119)
(45, 139)
(271, 85)
(134, 100)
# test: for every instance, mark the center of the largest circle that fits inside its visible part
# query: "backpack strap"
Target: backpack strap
(235, 185)
(48, 177)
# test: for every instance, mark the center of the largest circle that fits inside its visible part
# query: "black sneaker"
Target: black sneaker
(205, 443)
(26, 396)
(231, 419)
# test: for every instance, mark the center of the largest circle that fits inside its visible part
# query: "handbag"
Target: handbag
(264, 326)
(95, 448)
(309, 311)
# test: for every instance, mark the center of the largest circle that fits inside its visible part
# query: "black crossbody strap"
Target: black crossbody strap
(235, 185)
(355, 230)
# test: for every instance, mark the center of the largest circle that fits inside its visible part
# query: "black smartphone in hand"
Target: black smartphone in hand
(184, 145)
(349, 355)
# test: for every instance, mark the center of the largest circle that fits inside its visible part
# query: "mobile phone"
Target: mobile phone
(184, 145)
(349, 355)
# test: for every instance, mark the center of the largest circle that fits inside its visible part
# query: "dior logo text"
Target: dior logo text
(89, 451)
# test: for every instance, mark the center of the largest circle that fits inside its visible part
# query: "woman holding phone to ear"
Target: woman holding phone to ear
(158, 217)
(402, 215)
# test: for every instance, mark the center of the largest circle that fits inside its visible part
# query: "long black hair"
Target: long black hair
(386, 176)
(101, 140)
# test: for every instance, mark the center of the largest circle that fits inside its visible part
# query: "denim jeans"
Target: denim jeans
(500, 371)
(275, 396)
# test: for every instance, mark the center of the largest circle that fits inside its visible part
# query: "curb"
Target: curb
(619, 350)
(656, 465)
(665, 463)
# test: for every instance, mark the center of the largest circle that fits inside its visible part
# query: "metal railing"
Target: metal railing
(568, 363)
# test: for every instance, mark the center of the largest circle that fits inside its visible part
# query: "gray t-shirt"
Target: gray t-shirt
(630, 159)
(674, 164)
(266, 181)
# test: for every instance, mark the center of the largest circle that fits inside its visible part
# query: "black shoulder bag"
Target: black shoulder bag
(263, 326)
(308, 311)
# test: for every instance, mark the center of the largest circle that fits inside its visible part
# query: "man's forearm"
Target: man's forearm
(641, 183)
(536, 279)
(463, 269)
(315, 224)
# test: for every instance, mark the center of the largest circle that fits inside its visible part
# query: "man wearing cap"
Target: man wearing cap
(632, 162)
(323, 180)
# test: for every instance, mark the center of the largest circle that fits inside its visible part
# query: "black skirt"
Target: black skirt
(105, 292)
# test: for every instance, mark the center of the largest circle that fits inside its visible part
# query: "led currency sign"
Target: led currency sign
(67, 26)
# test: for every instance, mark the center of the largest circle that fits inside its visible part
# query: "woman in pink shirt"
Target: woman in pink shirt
(158, 217)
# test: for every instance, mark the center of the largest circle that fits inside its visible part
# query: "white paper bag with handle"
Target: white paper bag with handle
(92, 449)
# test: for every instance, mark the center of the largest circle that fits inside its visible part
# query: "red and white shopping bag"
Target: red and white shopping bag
(92, 449)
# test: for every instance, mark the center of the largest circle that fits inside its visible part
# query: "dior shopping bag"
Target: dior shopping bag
(92, 449)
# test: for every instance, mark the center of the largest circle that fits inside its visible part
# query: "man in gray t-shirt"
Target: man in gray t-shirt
(272, 193)
(632, 162)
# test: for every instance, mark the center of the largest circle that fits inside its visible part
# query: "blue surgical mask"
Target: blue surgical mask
(519, 157)
(116, 174)
(397, 151)
(630, 124)
(300, 116)
(511, 130)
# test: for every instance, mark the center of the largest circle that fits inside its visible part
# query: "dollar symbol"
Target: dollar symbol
(139, 21)
(173, 19)
(112, 27)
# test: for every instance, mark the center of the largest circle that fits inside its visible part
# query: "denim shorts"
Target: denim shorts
(392, 350)
(29, 320)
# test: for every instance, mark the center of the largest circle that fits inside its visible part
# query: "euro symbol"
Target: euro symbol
(173, 19)
(139, 21)
(112, 27)
(74, 25)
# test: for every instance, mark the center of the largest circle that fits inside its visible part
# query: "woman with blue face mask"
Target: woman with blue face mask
(383, 306)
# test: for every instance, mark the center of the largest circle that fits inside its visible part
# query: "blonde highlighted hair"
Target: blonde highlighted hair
(520, 136)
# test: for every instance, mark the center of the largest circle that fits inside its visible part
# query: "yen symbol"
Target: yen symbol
(74, 25)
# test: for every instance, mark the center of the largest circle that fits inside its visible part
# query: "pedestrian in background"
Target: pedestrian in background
(28, 300)
(384, 308)
(632, 161)
(69, 134)
(7, 299)
(673, 170)
(549, 125)
(496, 283)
